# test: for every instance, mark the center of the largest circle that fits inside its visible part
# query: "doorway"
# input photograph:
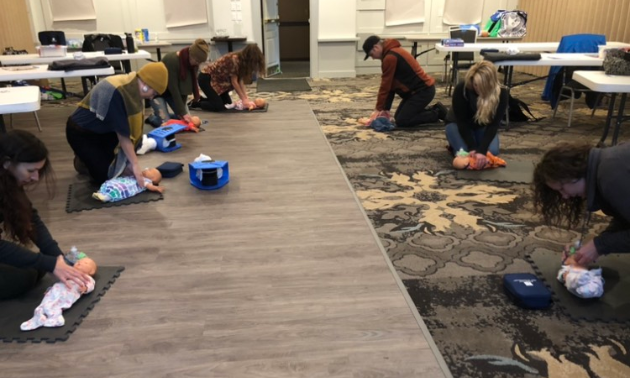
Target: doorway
(286, 36)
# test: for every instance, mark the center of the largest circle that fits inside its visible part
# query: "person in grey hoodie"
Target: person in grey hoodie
(573, 180)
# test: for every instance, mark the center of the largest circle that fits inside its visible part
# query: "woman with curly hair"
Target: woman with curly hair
(230, 72)
(24, 161)
(573, 180)
(479, 104)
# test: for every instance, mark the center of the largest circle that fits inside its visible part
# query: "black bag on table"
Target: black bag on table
(617, 62)
(79, 64)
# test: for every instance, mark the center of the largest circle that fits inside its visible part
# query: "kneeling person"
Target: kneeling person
(402, 75)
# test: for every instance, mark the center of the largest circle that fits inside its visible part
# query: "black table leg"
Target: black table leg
(3, 129)
(620, 117)
(507, 80)
(611, 111)
(84, 84)
(159, 54)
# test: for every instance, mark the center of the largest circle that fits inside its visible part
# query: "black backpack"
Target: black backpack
(517, 110)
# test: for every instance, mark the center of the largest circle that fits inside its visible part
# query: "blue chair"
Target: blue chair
(560, 84)
(576, 43)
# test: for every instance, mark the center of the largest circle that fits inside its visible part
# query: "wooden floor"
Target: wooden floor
(278, 274)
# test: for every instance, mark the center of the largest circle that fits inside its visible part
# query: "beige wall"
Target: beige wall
(15, 26)
(549, 20)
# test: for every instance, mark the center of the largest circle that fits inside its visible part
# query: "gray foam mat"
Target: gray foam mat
(257, 110)
(282, 85)
(16, 311)
(515, 171)
(80, 197)
(614, 305)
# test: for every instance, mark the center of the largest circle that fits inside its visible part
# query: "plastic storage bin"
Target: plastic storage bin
(165, 137)
(209, 175)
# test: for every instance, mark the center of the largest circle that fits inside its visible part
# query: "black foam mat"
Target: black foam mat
(282, 85)
(16, 311)
(515, 171)
(80, 197)
(614, 305)
(257, 110)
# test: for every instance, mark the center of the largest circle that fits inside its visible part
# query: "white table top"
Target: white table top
(154, 44)
(557, 59)
(41, 72)
(8, 60)
(600, 82)
(19, 99)
(437, 37)
(521, 46)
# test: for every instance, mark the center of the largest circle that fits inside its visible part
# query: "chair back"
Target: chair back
(100, 42)
(468, 36)
(51, 37)
(575, 43)
(581, 43)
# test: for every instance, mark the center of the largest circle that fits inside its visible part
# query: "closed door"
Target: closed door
(271, 22)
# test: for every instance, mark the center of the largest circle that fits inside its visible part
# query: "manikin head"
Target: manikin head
(86, 265)
(260, 102)
(461, 162)
(152, 174)
(196, 121)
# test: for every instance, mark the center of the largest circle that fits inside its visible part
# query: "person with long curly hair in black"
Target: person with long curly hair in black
(230, 72)
(23, 162)
(573, 180)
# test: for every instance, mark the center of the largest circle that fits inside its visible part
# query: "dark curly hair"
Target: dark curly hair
(250, 61)
(563, 163)
(18, 146)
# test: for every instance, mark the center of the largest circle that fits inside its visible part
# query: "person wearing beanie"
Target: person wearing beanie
(106, 128)
(402, 75)
(230, 72)
(183, 67)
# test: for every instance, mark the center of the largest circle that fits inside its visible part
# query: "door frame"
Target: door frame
(258, 30)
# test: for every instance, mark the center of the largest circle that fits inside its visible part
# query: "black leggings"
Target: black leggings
(213, 101)
(14, 282)
(412, 111)
(96, 151)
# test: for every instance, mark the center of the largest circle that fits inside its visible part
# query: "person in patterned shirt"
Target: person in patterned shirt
(230, 72)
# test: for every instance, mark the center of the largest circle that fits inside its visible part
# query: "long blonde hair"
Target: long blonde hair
(484, 76)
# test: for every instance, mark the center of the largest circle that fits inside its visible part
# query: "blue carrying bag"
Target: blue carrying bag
(527, 291)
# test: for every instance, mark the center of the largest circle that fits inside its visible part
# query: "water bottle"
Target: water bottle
(575, 247)
(130, 45)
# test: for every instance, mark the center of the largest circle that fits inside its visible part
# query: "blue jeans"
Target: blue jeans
(456, 141)
(160, 111)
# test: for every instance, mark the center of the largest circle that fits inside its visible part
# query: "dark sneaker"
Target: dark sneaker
(441, 110)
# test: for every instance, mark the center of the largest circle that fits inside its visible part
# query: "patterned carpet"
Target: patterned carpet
(452, 240)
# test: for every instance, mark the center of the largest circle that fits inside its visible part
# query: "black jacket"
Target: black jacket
(607, 186)
(18, 256)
